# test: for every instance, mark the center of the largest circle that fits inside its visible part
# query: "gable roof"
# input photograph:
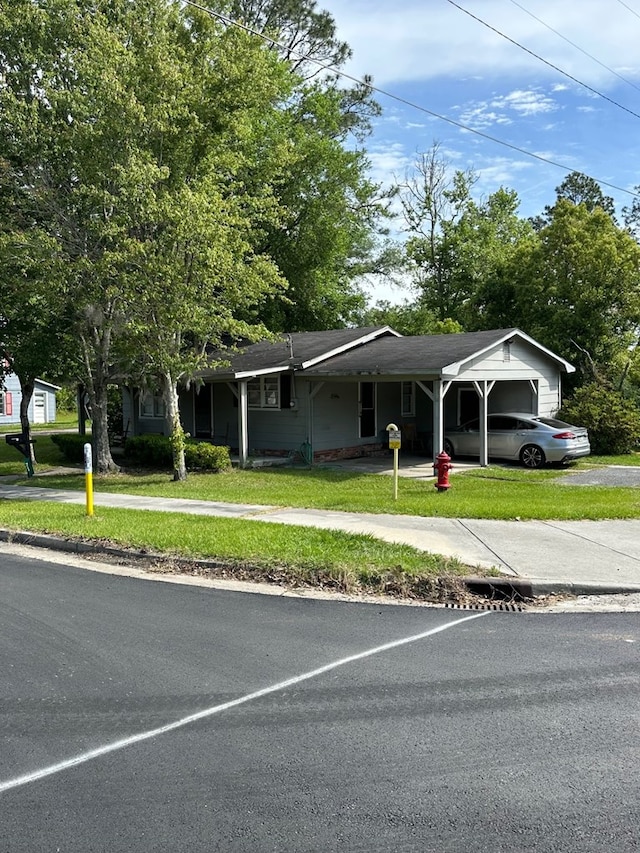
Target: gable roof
(371, 350)
(443, 355)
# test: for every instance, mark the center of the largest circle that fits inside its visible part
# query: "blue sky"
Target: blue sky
(434, 55)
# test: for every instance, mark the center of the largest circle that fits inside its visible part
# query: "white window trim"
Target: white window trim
(410, 412)
(157, 406)
(264, 386)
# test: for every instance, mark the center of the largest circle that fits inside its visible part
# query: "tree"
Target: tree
(330, 212)
(631, 216)
(306, 37)
(574, 286)
(32, 310)
(136, 126)
(433, 200)
(578, 188)
(408, 319)
(457, 245)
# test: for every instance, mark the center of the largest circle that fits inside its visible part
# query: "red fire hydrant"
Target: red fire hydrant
(442, 466)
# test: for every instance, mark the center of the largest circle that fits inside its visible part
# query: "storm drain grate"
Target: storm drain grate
(487, 605)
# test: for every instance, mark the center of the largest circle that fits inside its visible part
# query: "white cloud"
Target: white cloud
(526, 103)
(413, 40)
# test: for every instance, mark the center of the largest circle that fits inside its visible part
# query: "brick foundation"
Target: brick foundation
(355, 452)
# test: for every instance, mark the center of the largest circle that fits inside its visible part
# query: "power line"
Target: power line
(540, 59)
(573, 44)
(328, 67)
(633, 11)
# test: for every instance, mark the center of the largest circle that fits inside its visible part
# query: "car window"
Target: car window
(501, 422)
(471, 426)
(553, 422)
(526, 425)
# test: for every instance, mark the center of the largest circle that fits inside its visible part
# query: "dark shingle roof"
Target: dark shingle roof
(376, 350)
(306, 346)
(416, 354)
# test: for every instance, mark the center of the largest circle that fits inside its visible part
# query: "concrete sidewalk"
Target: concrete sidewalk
(573, 556)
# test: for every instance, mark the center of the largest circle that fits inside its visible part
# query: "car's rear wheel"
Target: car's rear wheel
(448, 448)
(532, 456)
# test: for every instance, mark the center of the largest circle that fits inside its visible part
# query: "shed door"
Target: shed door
(39, 407)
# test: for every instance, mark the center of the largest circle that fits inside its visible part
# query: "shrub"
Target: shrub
(71, 445)
(154, 451)
(200, 456)
(613, 422)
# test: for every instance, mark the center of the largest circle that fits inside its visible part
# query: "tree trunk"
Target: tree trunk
(26, 387)
(177, 434)
(103, 462)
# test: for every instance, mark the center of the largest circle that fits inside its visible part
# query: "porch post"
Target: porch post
(483, 389)
(243, 431)
(438, 418)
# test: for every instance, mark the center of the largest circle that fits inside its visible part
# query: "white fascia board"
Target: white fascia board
(383, 330)
(264, 371)
(48, 384)
(455, 367)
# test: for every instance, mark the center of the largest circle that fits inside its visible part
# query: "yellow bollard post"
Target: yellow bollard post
(88, 478)
(394, 444)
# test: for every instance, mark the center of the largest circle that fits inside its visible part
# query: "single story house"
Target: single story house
(42, 408)
(331, 394)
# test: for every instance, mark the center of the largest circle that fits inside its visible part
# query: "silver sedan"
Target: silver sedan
(522, 437)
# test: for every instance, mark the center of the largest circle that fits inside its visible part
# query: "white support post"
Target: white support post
(243, 429)
(438, 418)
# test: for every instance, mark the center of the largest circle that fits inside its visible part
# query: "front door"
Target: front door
(203, 408)
(367, 409)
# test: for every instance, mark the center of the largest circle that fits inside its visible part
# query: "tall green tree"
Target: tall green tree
(456, 244)
(434, 199)
(136, 125)
(333, 215)
(574, 286)
(578, 188)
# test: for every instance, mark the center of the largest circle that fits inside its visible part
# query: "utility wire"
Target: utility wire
(550, 64)
(633, 11)
(573, 44)
(328, 67)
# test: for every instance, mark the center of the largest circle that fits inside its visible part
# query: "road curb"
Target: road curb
(523, 588)
(504, 589)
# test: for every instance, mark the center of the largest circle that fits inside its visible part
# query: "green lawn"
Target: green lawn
(305, 555)
(493, 492)
(250, 549)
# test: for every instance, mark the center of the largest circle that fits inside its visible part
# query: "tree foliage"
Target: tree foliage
(574, 286)
(613, 421)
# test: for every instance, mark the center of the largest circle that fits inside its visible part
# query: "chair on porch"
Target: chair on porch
(410, 437)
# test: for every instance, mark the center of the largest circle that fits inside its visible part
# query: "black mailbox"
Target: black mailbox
(19, 441)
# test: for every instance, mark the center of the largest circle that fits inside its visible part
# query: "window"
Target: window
(263, 392)
(408, 393)
(6, 405)
(152, 406)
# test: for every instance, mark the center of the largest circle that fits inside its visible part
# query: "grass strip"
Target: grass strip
(494, 492)
(249, 549)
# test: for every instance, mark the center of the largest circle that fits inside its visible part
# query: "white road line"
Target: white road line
(84, 757)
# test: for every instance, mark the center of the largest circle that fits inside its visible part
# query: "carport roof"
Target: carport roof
(374, 350)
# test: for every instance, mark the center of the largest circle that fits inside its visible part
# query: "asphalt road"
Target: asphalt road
(139, 716)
